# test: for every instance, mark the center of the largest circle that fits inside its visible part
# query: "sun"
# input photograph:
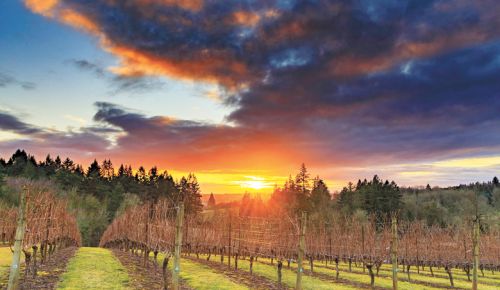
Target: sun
(254, 184)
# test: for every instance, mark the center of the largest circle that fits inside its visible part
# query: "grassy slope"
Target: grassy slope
(94, 268)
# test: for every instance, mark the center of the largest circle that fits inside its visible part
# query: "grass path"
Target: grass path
(202, 277)
(5, 261)
(94, 268)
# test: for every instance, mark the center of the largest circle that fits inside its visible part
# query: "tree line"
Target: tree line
(375, 198)
(99, 193)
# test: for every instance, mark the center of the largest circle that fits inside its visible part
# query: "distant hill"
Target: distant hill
(222, 197)
(230, 197)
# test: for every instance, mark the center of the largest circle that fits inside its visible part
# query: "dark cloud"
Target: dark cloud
(86, 65)
(140, 84)
(12, 123)
(7, 79)
(185, 143)
(43, 140)
(351, 80)
(119, 84)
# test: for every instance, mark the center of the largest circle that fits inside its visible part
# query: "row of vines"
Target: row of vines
(46, 224)
(150, 228)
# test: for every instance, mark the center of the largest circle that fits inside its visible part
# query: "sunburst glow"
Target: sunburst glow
(254, 183)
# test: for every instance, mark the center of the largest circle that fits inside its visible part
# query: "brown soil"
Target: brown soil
(143, 277)
(239, 276)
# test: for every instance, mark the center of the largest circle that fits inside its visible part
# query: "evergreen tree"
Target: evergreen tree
(48, 160)
(121, 171)
(107, 170)
(79, 170)
(16, 163)
(94, 170)
(195, 205)
(211, 201)
(302, 190)
(57, 163)
(68, 165)
(302, 180)
(153, 175)
(495, 181)
(189, 192)
(320, 198)
(115, 200)
(141, 175)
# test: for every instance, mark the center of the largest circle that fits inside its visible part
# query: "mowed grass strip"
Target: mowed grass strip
(383, 282)
(94, 268)
(440, 279)
(5, 261)
(386, 281)
(202, 277)
(288, 276)
(457, 274)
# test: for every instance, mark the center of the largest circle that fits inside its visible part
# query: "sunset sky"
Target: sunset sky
(242, 92)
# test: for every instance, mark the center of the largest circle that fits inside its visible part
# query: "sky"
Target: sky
(243, 92)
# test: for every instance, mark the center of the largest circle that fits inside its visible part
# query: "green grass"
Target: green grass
(201, 277)
(459, 276)
(288, 276)
(269, 271)
(5, 261)
(384, 282)
(440, 279)
(94, 268)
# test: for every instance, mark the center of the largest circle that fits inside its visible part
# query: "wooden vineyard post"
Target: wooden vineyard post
(229, 245)
(302, 246)
(280, 266)
(394, 252)
(363, 246)
(178, 244)
(47, 233)
(475, 252)
(13, 283)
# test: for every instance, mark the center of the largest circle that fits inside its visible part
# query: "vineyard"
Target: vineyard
(349, 253)
(163, 246)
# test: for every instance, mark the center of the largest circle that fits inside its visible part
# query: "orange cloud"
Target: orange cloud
(44, 7)
(210, 66)
(78, 20)
(245, 18)
(201, 67)
(51, 9)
